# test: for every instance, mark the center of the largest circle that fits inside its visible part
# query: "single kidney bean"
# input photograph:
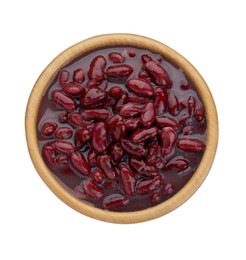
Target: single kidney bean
(120, 102)
(190, 145)
(64, 78)
(104, 162)
(146, 186)
(133, 149)
(155, 197)
(92, 158)
(115, 201)
(144, 75)
(141, 87)
(188, 130)
(118, 73)
(63, 132)
(131, 53)
(79, 76)
(48, 129)
(132, 97)
(144, 134)
(93, 96)
(153, 151)
(63, 146)
(92, 190)
(119, 131)
(63, 101)
(130, 110)
(73, 89)
(97, 67)
(97, 176)
(63, 117)
(191, 105)
(103, 85)
(173, 105)
(132, 124)
(97, 113)
(178, 163)
(90, 84)
(112, 121)
(145, 58)
(168, 139)
(163, 121)
(148, 115)
(183, 117)
(79, 192)
(127, 179)
(168, 189)
(157, 73)
(199, 113)
(115, 91)
(98, 140)
(62, 160)
(77, 120)
(81, 136)
(49, 156)
(116, 57)
(116, 152)
(79, 163)
(141, 167)
(161, 100)
(159, 164)
(109, 101)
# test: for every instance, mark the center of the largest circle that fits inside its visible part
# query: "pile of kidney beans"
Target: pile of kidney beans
(121, 128)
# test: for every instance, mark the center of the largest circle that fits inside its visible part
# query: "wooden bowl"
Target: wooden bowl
(136, 41)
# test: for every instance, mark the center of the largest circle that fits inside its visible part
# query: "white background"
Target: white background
(34, 224)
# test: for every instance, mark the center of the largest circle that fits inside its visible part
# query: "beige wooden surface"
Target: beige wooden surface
(114, 40)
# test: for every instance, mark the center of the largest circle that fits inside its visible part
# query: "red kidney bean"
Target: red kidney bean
(163, 121)
(63, 117)
(144, 134)
(144, 75)
(97, 113)
(168, 139)
(173, 105)
(120, 102)
(93, 96)
(131, 54)
(73, 89)
(132, 97)
(92, 158)
(130, 110)
(97, 67)
(103, 85)
(111, 122)
(62, 160)
(145, 58)
(79, 192)
(115, 91)
(161, 100)
(97, 176)
(92, 190)
(153, 151)
(79, 163)
(116, 57)
(168, 189)
(63, 146)
(77, 120)
(63, 101)
(146, 186)
(81, 136)
(183, 117)
(191, 105)
(141, 167)
(63, 132)
(90, 84)
(109, 101)
(116, 152)
(184, 86)
(140, 86)
(148, 115)
(155, 197)
(49, 156)
(132, 124)
(178, 163)
(159, 164)
(157, 73)
(48, 129)
(104, 162)
(190, 145)
(98, 140)
(127, 179)
(199, 113)
(183, 103)
(119, 131)
(188, 130)
(118, 73)
(79, 76)
(64, 78)
(115, 201)
(133, 149)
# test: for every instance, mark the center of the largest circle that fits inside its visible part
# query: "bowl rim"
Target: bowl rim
(110, 40)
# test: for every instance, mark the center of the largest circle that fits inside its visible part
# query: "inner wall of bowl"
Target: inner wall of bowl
(113, 40)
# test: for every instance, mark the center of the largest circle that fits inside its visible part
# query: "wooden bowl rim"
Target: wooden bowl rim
(108, 40)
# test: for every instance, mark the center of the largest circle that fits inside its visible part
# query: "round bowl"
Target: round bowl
(89, 45)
